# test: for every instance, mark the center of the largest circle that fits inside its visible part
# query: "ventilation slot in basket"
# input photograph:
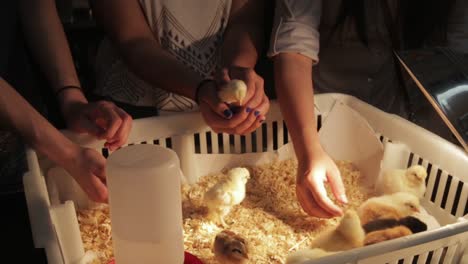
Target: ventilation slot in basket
(448, 254)
(163, 142)
(319, 122)
(442, 189)
(436, 186)
(285, 134)
(196, 139)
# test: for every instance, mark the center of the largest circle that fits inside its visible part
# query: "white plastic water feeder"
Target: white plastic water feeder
(145, 205)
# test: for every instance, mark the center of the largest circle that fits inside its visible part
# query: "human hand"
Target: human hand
(310, 189)
(101, 119)
(88, 168)
(245, 118)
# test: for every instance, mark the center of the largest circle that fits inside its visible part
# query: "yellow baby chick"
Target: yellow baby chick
(302, 255)
(347, 235)
(391, 206)
(226, 193)
(230, 248)
(410, 180)
(233, 92)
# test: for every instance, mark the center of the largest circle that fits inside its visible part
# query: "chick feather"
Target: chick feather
(226, 193)
(230, 248)
(233, 92)
(302, 255)
(347, 235)
(411, 222)
(392, 206)
(386, 234)
(410, 180)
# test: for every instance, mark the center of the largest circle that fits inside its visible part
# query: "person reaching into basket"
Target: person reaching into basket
(87, 166)
(357, 40)
(47, 41)
(174, 56)
(36, 24)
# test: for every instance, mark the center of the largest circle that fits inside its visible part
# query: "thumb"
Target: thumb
(336, 184)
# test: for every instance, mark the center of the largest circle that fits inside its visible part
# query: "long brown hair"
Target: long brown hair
(416, 22)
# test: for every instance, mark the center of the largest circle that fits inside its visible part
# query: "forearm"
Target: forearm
(48, 43)
(242, 45)
(293, 81)
(18, 115)
(156, 66)
(243, 38)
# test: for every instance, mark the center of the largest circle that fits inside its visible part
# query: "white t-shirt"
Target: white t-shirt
(191, 31)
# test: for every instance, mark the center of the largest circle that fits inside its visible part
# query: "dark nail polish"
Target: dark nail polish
(248, 109)
(227, 113)
(256, 113)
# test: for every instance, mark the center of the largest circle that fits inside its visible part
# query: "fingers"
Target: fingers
(258, 92)
(98, 190)
(110, 123)
(112, 120)
(216, 122)
(256, 118)
(88, 170)
(209, 97)
(336, 184)
(315, 183)
(122, 133)
(309, 205)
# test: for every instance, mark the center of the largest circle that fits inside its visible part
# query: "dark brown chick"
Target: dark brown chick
(230, 248)
(386, 234)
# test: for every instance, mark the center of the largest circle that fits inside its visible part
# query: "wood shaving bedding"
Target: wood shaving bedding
(270, 218)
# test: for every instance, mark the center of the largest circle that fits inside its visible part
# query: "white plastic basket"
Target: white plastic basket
(55, 227)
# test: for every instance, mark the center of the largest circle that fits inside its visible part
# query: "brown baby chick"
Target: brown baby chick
(393, 206)
(386, 234)
(347, 235)
(230, 248)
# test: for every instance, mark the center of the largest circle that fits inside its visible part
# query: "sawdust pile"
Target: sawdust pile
(270, 218)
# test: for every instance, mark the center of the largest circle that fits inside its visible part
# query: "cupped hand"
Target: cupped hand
(313, 174)
(248, 116)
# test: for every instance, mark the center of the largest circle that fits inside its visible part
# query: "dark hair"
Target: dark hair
(416, 22)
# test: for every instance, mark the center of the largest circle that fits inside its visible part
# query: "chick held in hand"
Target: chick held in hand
(302, 255)
(412, 180)
(347, 235)
(233, 92)
(230, 248)
(226, 193)
(392, 206)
